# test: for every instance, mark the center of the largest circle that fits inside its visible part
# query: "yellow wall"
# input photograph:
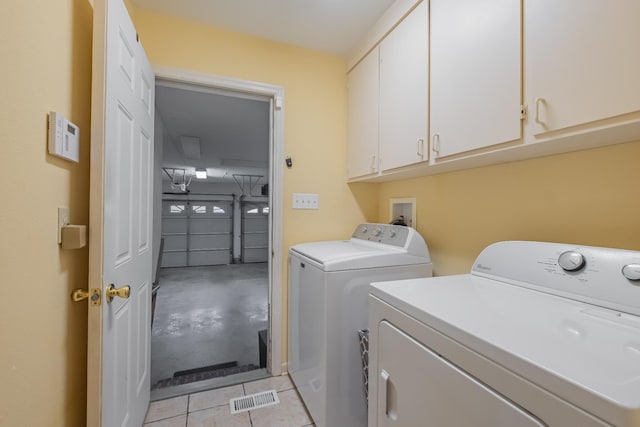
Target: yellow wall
(45, 53)
(587, 197)
(314, 116)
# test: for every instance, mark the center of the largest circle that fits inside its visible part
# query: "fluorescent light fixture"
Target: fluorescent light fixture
(201, 173)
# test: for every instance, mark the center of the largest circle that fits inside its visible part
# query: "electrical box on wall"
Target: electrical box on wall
(64, 137)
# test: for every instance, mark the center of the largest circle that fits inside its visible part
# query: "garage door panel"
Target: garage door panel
(215, 241)
(175, 242)
(255, 232)
(197, 258)
(210, 225)
(174, 259)
(255, 255)
(252, 224)
(256, 239)
(174, 225)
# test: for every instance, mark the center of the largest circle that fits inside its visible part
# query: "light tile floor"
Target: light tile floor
(211, 408)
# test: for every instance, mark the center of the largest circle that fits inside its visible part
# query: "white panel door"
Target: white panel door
(404, 96)
(417, 387)
(362, 145)
(475, 74)
(583, 61)
(121, 218)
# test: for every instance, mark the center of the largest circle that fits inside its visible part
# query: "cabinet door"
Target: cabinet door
(582, 59)
(417, 387)
(403, 92)
(475, 74)
(362, 148)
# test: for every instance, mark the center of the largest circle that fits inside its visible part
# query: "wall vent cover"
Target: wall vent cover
(253, 401)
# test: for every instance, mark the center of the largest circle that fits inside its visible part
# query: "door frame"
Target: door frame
(276, 150)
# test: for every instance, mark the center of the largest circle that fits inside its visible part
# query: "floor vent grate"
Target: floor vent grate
(253, 401)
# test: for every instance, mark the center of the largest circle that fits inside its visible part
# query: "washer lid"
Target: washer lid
(585, 354)
(354, 254)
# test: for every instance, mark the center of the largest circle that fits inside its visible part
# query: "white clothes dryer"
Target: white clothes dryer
(328, 287)
(539, 334)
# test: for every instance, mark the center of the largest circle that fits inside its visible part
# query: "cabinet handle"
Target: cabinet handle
(373, 163)
(538, 102)
(420, 150)
(435, 143)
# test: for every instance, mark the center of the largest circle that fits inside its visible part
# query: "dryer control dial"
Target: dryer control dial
(631, 271)
(378, 231)
(571, 261)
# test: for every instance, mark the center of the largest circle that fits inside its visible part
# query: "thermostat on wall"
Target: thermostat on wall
(64, 137)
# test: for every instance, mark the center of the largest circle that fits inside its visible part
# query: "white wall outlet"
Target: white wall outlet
(306, 201)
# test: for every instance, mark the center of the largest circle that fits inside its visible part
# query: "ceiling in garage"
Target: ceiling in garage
(233, 131)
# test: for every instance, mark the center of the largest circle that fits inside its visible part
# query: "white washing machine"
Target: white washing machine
(328, 288)
(539, 334)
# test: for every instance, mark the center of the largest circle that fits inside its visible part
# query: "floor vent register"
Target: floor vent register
(253, 401)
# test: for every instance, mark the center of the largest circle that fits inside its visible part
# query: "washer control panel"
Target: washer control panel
(395, 235)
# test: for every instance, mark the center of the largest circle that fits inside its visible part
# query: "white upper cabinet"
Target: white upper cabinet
(475, 74)
(492, 81)
(363, 94)
(582, 61)
(404, 97)
(389, 99)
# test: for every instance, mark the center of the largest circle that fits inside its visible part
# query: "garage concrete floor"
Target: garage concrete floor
(207, 316)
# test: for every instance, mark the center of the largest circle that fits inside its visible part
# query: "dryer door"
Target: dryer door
(418, 387)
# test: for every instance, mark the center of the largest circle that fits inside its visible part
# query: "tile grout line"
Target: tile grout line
(186, 419)
(245, 393)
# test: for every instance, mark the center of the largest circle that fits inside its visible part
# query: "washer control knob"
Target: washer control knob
(631, 271)
(365, 229)
(378, 231)
(571, 261)
(392, 233)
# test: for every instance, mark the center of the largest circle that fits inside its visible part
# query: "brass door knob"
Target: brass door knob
(113, 292)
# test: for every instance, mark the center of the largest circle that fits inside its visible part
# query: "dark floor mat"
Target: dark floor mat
(205, 369)
(204, 373)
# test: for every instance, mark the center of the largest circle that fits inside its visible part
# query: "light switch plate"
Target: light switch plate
(306, 201)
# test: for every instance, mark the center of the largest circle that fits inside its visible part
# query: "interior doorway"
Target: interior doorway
(213, 317)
